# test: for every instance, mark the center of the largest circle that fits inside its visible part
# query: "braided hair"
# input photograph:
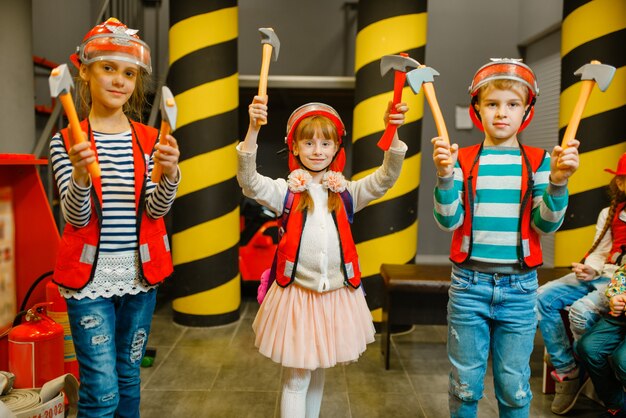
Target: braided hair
(617, 196)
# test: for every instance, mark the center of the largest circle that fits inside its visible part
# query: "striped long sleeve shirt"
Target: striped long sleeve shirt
(116, 270)
(495, 229)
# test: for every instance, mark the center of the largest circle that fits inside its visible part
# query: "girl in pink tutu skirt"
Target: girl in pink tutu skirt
(314, 315)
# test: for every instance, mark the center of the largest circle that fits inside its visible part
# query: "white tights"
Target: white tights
(302, 393)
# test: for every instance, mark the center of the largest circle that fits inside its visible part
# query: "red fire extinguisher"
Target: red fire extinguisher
(58, 312)
(36, 349)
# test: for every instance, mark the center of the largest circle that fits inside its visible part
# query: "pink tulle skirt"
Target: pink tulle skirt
(300, 328)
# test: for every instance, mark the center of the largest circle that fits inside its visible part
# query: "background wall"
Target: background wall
(320, 42)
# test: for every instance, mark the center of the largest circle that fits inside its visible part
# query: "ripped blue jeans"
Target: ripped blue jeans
(588, 304)
(110, 336)
(491, 313)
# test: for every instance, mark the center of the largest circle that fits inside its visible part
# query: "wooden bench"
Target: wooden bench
(418, 294)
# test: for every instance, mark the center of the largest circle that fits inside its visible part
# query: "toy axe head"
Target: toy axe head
(60, 80)
(602, 74)
(419, 76)
(268, 36)
(396, 62)
(168, 107)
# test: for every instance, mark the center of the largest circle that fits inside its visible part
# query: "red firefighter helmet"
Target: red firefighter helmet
(507, 69)
(316, 109)
(112, 40)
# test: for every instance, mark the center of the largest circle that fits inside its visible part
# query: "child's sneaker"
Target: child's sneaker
(567, 392)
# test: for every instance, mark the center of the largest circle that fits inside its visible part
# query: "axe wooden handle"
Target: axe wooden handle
(157, 171)
(577, 114)
(77, 137)
(431, 97)
(265, 70)
(399, 79)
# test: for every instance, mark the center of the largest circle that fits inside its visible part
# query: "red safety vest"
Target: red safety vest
(462, 239)
(618, 232)
(289, 245)
(79, 249)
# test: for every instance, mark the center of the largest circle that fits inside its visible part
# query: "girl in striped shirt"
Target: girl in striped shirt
(497, 196)
(115, 249)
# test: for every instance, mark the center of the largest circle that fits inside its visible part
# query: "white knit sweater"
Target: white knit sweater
(319, 259)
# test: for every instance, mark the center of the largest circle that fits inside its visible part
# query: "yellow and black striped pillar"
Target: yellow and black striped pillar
(205, 222)
(386, 230)
(592, 30)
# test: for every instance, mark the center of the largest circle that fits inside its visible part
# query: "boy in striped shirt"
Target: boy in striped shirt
(497, 197)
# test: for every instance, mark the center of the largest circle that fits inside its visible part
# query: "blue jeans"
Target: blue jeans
(602, 350)
(110, 336)
(491, 313)
(588, 304)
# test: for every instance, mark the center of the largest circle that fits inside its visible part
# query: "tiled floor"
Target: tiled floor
(217, 372)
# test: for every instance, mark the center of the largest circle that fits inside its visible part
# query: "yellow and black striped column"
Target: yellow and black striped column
(386, 230)
(203, 77)
(592, 30)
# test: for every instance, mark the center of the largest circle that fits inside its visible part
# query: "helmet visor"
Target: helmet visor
(120, 47)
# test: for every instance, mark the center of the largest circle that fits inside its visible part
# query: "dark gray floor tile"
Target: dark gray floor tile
(240, 404)
(147, 372)
(164, 331)
(335, 380)
(422, 333)
(414, 366)
(421, 350)
(390, 381)
(219, 336)
(173, 404)
(187, 368)
(429, 383)
(384, 405)
(249, 374)
(335, 405)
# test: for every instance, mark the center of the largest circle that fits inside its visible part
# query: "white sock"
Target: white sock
(315, 393)
(293, 400)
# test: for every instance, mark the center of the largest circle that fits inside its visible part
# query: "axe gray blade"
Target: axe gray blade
(396, 62)
(420, 76)
(62, 82)
(168, 112)
(601, 73)
(268, 36)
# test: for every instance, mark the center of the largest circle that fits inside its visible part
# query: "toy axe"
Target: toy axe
(61, 83)
(424, 76)
(271, 48)
(168, 124)
(592, 73)
(400, 64)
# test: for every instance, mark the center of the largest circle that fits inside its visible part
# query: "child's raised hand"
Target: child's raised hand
(444, 156)
(81, 155)
(396, 118)
(617, 304)
(564, 162)
(257, 110)
(167, 156)
(583, 272)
